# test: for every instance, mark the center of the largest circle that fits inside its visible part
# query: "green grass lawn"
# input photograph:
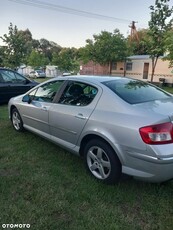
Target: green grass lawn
(169, 89)
(40, 80)
(48, 188)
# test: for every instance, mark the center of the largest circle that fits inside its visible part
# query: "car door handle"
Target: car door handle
(44, 108)
(81, 116)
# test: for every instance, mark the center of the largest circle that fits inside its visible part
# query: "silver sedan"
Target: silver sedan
(118, 125)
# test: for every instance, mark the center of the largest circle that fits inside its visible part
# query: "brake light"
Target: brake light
(157, 134)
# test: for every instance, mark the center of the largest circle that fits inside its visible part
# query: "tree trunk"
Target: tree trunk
(124, 68)
(154, 62)
(110, 68)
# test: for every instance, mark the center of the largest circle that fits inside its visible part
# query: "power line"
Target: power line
(49, 6)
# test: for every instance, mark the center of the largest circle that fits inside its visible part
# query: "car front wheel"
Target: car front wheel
(102, 162)
(17, 120)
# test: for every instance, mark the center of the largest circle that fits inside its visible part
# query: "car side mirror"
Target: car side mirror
(27, 99)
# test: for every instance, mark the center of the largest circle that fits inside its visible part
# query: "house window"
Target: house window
(114, 65)
(129, 66)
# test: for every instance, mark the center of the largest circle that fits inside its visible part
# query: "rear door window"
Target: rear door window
(78, 94)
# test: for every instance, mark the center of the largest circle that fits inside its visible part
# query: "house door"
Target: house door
(145, 70)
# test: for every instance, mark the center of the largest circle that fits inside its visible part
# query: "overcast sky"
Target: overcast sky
(71, 30)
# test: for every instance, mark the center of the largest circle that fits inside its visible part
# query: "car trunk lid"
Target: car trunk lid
(160, 107)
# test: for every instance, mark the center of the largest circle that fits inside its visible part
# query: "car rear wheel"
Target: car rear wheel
(102, 162)
(17, 120)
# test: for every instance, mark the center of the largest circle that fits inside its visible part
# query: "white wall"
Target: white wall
(162, 70)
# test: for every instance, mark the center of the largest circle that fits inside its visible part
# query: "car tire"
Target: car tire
(17, 120)
(102, 162)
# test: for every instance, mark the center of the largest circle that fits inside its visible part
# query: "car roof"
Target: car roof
(3, 68)
(91, 78)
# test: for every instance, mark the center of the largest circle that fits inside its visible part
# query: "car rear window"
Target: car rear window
(134, 91)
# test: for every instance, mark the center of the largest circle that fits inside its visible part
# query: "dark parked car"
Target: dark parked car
(13, 84)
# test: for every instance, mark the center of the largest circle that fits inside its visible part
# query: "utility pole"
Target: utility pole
(133, 33)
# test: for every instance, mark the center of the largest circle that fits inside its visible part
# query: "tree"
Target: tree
(66, 60)
(169, 47)
(37, 59)
(139, 47)
(2, 51)
(159, 25)
(26, 43)
(105, 48)
(48, 48)
(18, 45)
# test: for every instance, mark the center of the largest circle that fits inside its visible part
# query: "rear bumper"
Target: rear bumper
(156, 166)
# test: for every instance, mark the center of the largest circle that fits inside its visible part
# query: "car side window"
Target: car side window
(9, 76)
(78, 94)
(46, 92)
(1, 78)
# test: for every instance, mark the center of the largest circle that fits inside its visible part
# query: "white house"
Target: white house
(52, 71)
(24, 70)
(140, 67)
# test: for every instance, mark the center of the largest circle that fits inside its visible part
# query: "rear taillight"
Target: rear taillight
(157, 134)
